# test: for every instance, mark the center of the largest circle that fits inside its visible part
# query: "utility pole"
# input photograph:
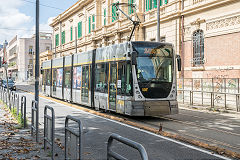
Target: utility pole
(37, 55)
(158, 20)
(6, 70)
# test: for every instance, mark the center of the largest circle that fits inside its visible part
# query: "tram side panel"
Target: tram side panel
(77, 78)
(67, 78)
(101, 85)
(57, 78)
(46, 77)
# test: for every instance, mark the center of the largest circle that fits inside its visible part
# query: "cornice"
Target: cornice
(70, 11)
(198, 8)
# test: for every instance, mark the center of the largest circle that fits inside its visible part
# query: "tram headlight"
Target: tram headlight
(139, 96)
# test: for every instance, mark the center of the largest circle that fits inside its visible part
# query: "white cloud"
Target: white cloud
(45, 27)
(11, 19)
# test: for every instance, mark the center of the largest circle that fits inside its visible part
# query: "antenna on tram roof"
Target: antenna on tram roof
(135, 23)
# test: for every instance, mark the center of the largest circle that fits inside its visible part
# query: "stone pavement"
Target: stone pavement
(17, 143)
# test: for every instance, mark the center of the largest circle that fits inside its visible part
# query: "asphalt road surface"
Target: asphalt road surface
(96, 131)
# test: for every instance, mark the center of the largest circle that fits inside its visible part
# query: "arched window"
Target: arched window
(198, 48)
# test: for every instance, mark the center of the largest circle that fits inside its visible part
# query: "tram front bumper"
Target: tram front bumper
(155, 108)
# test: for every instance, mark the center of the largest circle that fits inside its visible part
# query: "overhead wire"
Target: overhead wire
(44, 5)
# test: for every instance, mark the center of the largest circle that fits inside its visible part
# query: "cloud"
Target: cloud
(12, 21)
(43, 27)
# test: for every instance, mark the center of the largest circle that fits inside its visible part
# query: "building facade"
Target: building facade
(205, 33)
(21, 56)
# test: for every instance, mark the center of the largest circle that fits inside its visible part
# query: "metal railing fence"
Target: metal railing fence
(49, 128)
(128, 142)
(74, 138)
(35, 120)
(221, 92)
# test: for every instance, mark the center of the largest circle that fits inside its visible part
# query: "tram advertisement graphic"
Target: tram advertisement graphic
(77, 73)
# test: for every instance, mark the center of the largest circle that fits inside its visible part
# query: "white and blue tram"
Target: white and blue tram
(132, 78)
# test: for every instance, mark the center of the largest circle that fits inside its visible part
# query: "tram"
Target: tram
(135, 78)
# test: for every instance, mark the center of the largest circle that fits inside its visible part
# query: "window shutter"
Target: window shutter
(113, 13)
(57, 39)
(160, 2)
(80, 29)
(150, 6)
(63, 37)
(71, 33)
(93, 22)
(104, 16)
(166, 1)
(89, 24)
(155, 3)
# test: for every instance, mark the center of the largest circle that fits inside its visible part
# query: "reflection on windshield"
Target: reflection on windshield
(155, 69)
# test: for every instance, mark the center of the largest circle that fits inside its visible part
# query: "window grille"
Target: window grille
(198, 48)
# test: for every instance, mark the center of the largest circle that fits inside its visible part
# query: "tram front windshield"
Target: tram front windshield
(154, 69)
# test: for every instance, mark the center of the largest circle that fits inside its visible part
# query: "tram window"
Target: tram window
(54, 77)
(105, 84)
(67, 78)
(100, 77)
(59, 77)
(85, 83)
(48, 77)
(77, 77)
(121, 83)
(128, 79)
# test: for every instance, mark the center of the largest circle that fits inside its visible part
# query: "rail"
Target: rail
(71, 136)
(49, 128)
(35, 119)
(126, 141)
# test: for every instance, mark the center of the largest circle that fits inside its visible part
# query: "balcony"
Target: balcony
(15, 67)
(12, 56)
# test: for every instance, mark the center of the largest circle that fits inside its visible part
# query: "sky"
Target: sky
(17, 17)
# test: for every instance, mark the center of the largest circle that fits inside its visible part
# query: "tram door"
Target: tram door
(85, 84)
(112, 86)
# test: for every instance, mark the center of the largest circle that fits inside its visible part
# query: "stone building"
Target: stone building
(21, 56)
(204, 32)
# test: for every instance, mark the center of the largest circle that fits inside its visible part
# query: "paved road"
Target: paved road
(97, 130)
(222, 130)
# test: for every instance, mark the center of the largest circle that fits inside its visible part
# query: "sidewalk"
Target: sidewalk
(17, 143)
